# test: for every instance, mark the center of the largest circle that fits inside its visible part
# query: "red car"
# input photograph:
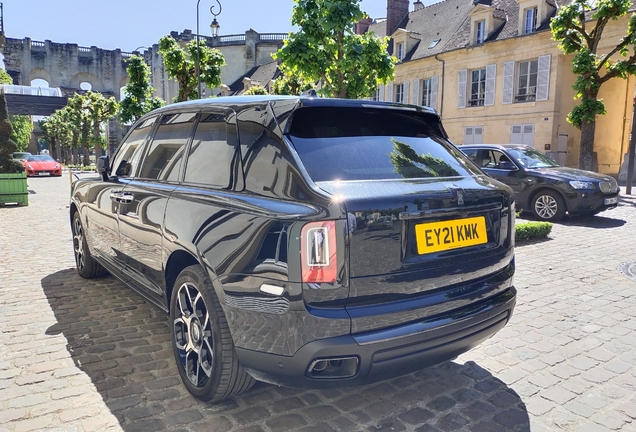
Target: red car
(41, 165)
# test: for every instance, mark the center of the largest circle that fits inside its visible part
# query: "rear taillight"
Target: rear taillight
(318, 252)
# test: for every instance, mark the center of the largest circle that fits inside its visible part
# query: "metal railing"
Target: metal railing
(29, 90)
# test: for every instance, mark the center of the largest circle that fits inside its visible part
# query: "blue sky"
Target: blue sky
(128, 24)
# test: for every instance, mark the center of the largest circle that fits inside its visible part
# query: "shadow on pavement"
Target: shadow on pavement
(123, 344)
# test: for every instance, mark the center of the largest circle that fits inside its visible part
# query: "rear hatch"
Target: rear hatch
(428, 232)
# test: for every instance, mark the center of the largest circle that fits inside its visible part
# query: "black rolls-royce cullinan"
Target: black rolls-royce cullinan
(247, 220)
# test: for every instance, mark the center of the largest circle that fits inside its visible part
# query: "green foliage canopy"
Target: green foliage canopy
(181, 65)
(256, 90)
(289, 83)
(138, 98)
(578, 29)
(7, 145)
(22, 128)
(327, 49)
(5, 78)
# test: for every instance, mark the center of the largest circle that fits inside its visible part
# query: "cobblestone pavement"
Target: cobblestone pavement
(79, 355)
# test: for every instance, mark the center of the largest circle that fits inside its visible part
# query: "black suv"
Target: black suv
(249, 220)
(541, 185)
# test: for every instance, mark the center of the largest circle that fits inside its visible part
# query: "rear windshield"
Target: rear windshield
(372, 143)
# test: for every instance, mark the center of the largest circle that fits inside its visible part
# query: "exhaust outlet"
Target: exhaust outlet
(320, 365)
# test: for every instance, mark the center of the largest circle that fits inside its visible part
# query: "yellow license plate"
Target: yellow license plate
(452, 234)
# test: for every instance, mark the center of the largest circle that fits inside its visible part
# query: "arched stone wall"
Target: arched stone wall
(96, 84)
(39, 73)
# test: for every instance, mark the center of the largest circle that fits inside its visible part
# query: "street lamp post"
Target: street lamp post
(214, 27)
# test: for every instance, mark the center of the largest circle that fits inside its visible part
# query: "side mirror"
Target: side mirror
(507, 165)
(101, 166)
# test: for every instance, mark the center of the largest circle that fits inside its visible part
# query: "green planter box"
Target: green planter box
(13, 189)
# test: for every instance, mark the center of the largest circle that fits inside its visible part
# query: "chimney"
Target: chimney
(418, 5)
(396, 10)
(363, 25)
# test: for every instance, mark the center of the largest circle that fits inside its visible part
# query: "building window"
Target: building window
(477, 87)
(530, 24)
(400, 51)
(480, 32)
(427, 93)
(474, 135)
(399, 93)
(527, 81)
(434, 43)
(376, 95)
(522, 134)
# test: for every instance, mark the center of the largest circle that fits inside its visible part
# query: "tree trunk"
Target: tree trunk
(586, 151)
(98, 144)
(86, 161)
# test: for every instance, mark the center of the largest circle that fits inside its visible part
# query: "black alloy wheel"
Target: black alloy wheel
(202, 344)
(86, 265)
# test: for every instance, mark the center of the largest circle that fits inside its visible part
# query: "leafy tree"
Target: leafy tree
(57, 133)
(100, 109)
(5, 78)
(7, 145)
(22, 125)
(79, 116)
(22, 128)
(181, 65)
(256, 90)
(138, 98)
(593, 69)
(327, 49)
(290, 84)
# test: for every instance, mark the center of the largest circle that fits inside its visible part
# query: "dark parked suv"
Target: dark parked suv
(541, 185)
(239, 217)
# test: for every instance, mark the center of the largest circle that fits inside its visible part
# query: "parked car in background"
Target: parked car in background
(381, 223)
(541, 185)
(41, 165)
(238, 217)
(21, 155)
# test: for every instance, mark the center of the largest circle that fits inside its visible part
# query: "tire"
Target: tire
(201, 340)
(86, 265)
(548, 206)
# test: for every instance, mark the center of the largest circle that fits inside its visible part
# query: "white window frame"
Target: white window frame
(427, 92)
(481, 88)
(530, 20)
(524, 91)
(511, 81)
(480, 31)
(399, 93)
(400, 50)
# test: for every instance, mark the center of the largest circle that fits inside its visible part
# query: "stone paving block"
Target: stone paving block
(613, 420)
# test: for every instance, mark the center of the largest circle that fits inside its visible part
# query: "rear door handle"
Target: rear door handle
(115, 196)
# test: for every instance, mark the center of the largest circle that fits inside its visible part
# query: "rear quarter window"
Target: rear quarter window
(340, 143)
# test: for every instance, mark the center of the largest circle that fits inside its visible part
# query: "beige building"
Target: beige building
(493, 72)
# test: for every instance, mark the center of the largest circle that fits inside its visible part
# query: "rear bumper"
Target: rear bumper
(381, 356)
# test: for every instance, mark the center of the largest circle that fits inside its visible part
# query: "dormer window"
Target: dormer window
(530, 22)
(400, 51)
(480, 32)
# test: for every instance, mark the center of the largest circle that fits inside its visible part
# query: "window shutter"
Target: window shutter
(434, 92)
(389, 92)
(381, 93)
(461, 88)
(478, 135)
(528, 135)
(468, 135)
(508, 81)
(405, 92)
(416, 92)
(543, 78)
(491, 73)
(515, 135)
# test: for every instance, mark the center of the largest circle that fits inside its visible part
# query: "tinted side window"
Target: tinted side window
(163, 160)
(129, 153)
(213, 158)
